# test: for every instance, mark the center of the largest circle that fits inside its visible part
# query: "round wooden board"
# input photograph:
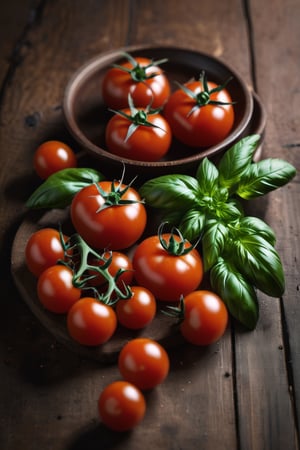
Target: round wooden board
(162, 329)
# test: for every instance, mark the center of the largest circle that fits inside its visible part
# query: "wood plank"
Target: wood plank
(15, 17)
(266, 360)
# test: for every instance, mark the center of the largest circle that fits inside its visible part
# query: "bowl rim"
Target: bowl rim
(91, 66)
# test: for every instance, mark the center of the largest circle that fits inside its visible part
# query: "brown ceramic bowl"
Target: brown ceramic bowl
(86, 114)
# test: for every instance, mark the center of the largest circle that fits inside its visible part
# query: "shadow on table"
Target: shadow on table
(99, 437)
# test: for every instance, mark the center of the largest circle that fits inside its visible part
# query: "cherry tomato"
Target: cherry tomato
(166, 275)
(205, 318)
(43, 250)
(121, 406)
(52, 156)
(119, 261)
(140, 83)
(147, 143)
(91, 322)
(137, 311)
(199, 126)
(107, 223)
(143, 362)
(56, 290)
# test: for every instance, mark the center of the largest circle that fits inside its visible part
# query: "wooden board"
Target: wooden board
(162, 329)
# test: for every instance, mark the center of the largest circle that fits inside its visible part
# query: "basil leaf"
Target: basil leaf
(59, 189)
(265, 176)
(236, 292)
(258, 260)
(253, 225)
(236, 160)
(207, 176)
(230, 211)
(192, 224)
(213, 242)
(171, 191)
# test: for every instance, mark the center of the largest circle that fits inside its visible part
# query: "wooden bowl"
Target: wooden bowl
(86, 114)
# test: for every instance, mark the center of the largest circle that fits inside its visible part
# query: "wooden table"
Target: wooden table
(241, 393)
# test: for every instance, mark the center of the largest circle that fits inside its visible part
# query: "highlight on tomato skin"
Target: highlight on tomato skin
(43, 249)
(55, 289)
(53, 156)
(117, 84)
(205, 318)
(166, 275)
(149, 142)
(200, 125)
(104, 225)
(144, 362)
(138, 311)
(121, 406)
(91, 322)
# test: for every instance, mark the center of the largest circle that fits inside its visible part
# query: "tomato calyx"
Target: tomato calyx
(176, 312)
(139, 73)
(173, 246)
(203, 98)
(78, 256)
(137, 117)
(114, 196)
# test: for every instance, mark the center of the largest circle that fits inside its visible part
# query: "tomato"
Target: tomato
(205, 318)
(52, 156)
(199, 125)
(144, 362)
(119, 261)
(137, 311)
(147, 143)
(166, 275)
(56, 290)
(139, 82)
(105, 220)
(121, 406)
(91, 322)
(43, 250)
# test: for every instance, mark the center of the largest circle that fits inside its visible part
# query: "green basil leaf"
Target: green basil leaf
(59, 189)
(192, 224)
(236, 160)
(230, 211)
(213, 242)
(171, 191)
(207, 176)
(236, 292)
(265, 176)
(253, 225)
(258, 260)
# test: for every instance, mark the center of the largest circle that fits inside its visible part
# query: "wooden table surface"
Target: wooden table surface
(241, 393)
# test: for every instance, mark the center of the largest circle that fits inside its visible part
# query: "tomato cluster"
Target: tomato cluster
(148, 114)
(107, 273)
(99, 291)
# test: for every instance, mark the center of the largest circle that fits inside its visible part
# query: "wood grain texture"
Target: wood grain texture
(242, 393)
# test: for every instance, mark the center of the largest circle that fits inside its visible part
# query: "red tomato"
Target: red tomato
(119, 261)
(140, 83)
(43, 250)
(147, 143)
(52, 156)
(205, 318)
(104, 223)
(166, 275)
(121, 406)
(204, 126)
(56, 290)
(137, 311)
(91, 322)
(143, 362)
